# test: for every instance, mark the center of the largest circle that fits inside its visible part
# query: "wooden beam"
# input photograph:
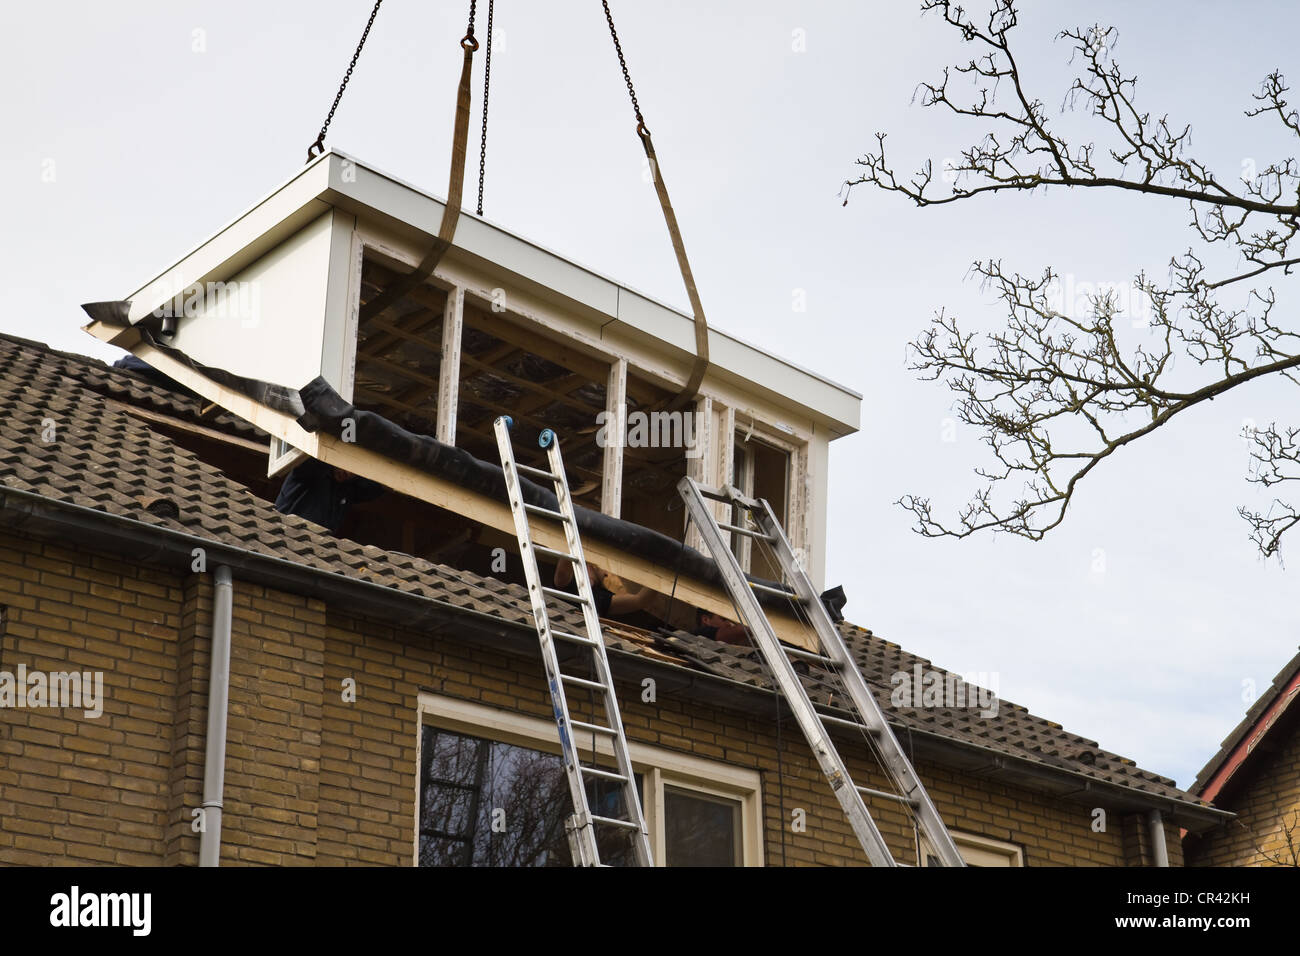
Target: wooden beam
(536, 388)
(453, 321)
(389, 403)
(726, 443)
(439, 492)
(611, 489)
(180, 424)
(412, 324)
(701, 467)
(397, 368)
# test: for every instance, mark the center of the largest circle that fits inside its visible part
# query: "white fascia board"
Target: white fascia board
(336, 179)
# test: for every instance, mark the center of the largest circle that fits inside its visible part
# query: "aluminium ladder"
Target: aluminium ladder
(582, 825)
(835, 658)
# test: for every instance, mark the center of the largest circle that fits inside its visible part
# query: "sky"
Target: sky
(135, 130)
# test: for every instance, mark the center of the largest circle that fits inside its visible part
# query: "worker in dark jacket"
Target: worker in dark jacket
(324, 494)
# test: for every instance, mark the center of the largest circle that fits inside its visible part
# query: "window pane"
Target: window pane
(485, 803)
(700, 830)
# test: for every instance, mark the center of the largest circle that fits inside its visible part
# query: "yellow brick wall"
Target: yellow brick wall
(312, 777)
(1267, 802)
(77, 790)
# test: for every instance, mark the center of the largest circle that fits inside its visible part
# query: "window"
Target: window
(492, 792)
(760, 470)
(700, 829)
(979, 850)
(487, 803)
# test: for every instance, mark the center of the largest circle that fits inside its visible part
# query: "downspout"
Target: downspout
(1158, 848)
(214, 772)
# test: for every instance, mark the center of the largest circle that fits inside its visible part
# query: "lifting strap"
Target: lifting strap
(692, 386)
(455, 188)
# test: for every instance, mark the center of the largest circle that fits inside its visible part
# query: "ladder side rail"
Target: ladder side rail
(864, 701)
(614, 719)
(791, 687)
(582, 838)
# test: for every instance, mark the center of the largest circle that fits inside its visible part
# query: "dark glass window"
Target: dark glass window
(486, 803)
(700, 829)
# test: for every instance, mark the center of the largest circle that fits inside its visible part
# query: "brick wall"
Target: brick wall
(74, 789)
(321, 757)
(1267, 801)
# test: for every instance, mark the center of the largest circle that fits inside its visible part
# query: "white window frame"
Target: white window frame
(797, 506)
(658, 766)
(978, 850)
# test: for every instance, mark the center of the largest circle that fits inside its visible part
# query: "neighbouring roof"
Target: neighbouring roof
(108, 460)
(1239, 745)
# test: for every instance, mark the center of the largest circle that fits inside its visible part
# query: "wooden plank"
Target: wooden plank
(536, 388)
(726, 444)
(611, 489)
(397, 368)
(412, 324)
(453, 321)
(181, 425)
(701, 467)
(411, 481)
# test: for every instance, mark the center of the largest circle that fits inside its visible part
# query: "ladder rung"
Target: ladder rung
(717, 494)
(545, 512)
(840, 721)
(808, 655)
(564, 595)
(610, 821)
(603, 774)
(779, 592)
(574, 638)
(910, 801)
(746, 531)
(537, 472)
(552, 552)
(584, 682)
(581, 725)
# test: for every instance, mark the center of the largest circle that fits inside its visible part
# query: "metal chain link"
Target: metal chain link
(318, 147)
(627, 77)
(487, 88)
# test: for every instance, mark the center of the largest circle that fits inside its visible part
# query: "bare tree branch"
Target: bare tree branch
(1056, 394)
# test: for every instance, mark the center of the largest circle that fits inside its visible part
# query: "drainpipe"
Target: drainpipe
(1157, 824)
(214, 773)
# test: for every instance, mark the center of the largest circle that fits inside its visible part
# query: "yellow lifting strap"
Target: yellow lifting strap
(701, 363)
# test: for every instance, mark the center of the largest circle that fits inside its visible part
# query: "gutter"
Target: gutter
(160, 544)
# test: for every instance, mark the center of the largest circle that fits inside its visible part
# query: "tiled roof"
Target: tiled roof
(105, 459)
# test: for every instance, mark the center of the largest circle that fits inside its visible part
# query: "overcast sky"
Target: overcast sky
(136, 129)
